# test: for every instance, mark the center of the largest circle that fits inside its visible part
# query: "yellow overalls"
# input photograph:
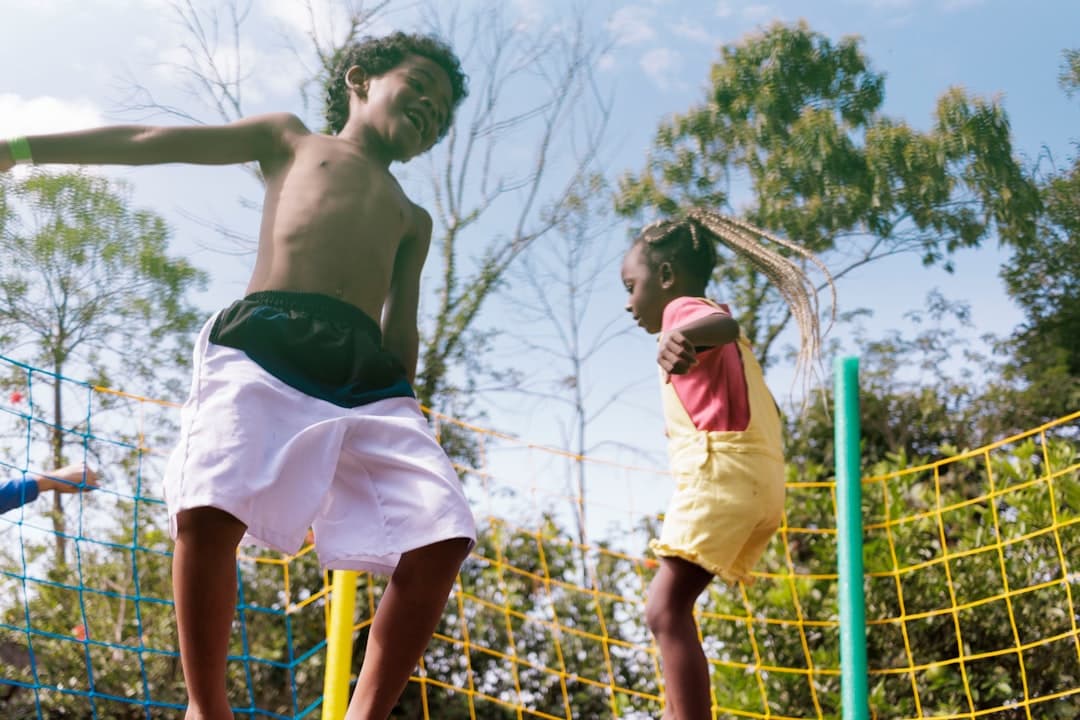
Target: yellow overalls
(729, 486)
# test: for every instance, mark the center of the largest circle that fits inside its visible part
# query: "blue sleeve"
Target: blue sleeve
(14, 493)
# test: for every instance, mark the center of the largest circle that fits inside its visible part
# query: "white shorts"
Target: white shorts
(371, 481)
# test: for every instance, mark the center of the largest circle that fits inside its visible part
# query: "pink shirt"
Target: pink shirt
(714, 391)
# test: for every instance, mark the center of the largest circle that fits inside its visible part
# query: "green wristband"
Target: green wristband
(20, 151)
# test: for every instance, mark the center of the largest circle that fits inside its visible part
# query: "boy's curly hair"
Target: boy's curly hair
(377, 55)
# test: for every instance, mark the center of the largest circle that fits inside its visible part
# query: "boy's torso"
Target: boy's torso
(333, 222)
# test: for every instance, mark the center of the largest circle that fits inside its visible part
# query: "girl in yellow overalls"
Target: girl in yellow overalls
(723, 427)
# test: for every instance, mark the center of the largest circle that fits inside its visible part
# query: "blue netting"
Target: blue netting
(87, 624)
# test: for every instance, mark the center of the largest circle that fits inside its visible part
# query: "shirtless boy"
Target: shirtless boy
(301, 412)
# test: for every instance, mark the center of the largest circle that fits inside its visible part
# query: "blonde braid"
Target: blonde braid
(795, 286)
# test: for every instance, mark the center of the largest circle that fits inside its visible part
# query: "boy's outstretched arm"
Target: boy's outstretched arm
(400, 334)
(259, 138)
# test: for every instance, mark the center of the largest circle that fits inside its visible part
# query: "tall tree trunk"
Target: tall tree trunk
(57, 445)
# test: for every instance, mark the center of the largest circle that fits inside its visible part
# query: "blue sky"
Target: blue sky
(71, 58)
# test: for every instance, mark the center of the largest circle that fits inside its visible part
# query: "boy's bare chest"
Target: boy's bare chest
(335, 224)
(345, 200)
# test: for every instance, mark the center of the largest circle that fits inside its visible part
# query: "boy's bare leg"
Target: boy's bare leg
(669, 612)
(204, 588)
(404, 622)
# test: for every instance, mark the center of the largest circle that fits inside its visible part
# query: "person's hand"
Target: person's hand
(676, 354)
(68, 479)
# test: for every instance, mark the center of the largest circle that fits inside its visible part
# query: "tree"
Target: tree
(470, 186)
(552, 293)
(922, 387)
(935, 574)
(792, 133)
(87, 287)
(1043, 277)
(1069, 78)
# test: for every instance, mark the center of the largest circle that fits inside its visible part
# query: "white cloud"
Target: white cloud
(267, 74)
(45, 114)
(691, 31)
(66, 7)
(296, 19)
(958, 5)
(329, 18)
(279, 75)
(662, 66)
(750, 12)
(145, 43)
(757, 13)
(530, 13)
(884, 4)
(903, 9)
(632, 25)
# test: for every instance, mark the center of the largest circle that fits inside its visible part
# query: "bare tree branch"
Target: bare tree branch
(474, 178)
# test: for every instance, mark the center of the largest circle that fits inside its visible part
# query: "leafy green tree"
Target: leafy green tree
(1043, 277)
(103, 630)
(792, 137)
(931, 538)
(87, 287)
(1069, 78)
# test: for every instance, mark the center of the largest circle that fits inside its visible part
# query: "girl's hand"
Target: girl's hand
(676, 355)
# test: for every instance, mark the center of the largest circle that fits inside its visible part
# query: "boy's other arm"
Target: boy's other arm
(400, 334)
(260, 138)
(68, 479)
(14, 493)
(679, 347)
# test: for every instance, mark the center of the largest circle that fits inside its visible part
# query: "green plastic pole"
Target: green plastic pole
(849, 530)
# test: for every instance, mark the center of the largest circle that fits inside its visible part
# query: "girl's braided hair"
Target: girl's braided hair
(689, 243)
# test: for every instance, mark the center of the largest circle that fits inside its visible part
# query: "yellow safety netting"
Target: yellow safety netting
(970, 590)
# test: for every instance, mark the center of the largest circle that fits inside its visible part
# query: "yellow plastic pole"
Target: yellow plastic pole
(339, 640)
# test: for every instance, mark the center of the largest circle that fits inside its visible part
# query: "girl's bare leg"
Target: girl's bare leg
(669, 612)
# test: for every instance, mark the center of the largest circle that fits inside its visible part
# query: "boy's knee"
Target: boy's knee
(210, 523)
(445, 556)
(455, 549)
(461, 547)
